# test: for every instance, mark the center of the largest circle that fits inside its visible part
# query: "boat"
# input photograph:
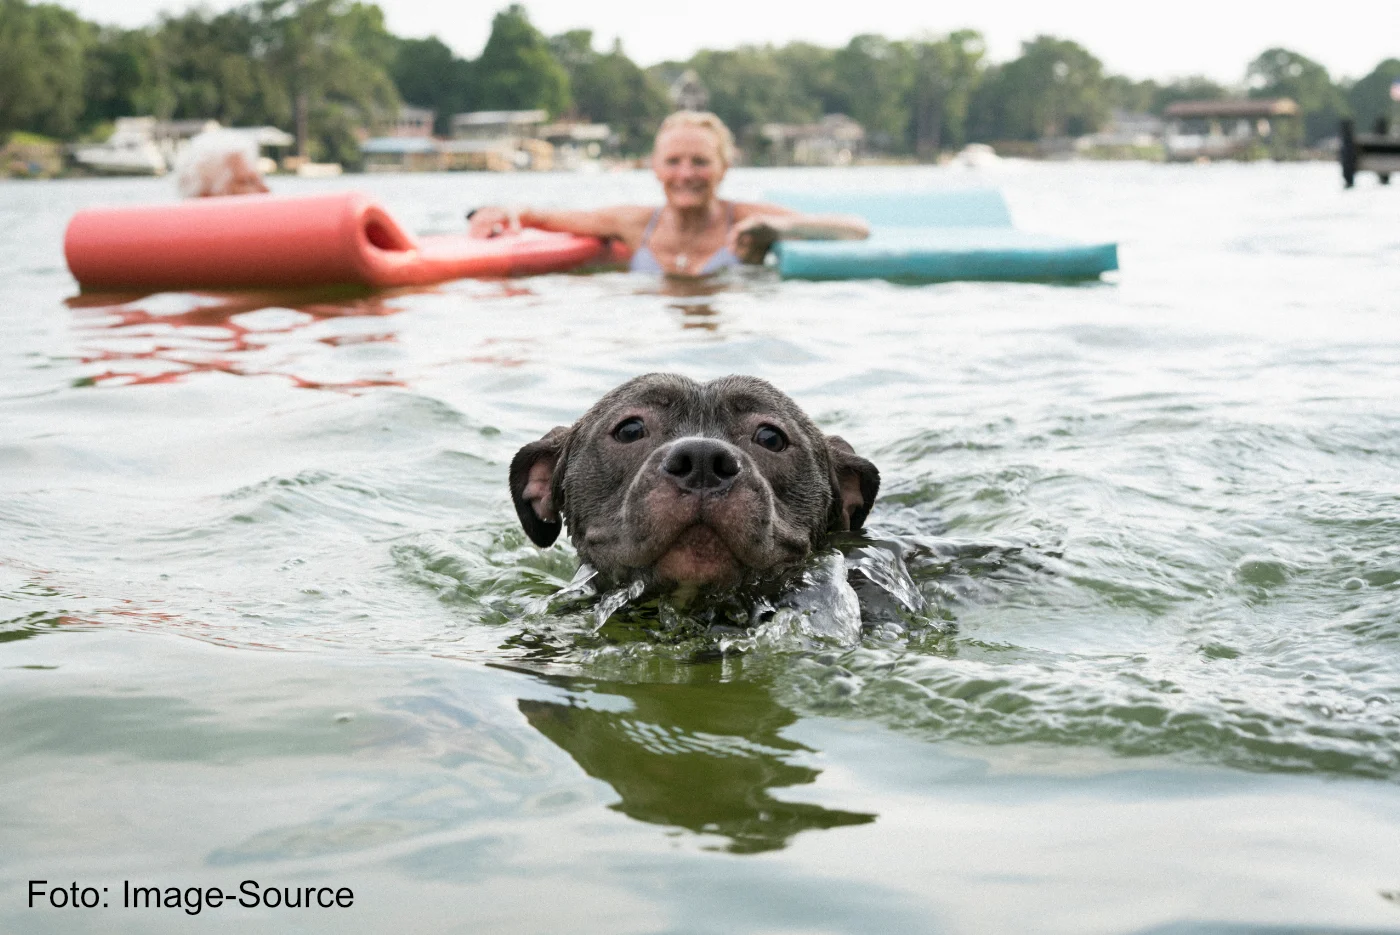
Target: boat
(130, 150)
(977, 156)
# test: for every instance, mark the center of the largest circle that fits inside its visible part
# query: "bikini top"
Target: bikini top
(644, 261)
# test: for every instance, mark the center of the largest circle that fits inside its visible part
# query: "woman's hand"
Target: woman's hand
(492, 221)
(752, 238)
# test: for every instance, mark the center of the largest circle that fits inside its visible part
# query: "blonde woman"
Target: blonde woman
(695, 233)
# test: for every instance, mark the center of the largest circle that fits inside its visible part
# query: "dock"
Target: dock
(1377, 152)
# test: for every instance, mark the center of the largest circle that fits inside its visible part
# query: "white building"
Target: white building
(688, 92)
(1223, 129)
(498, 124)
(413, 123)
(835, 141)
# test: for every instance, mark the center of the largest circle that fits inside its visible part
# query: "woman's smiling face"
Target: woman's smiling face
(688, 163)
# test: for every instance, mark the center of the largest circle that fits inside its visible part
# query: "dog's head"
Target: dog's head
(691, 483)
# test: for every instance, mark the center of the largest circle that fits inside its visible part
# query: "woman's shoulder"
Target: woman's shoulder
(627, 221)
(630, 222)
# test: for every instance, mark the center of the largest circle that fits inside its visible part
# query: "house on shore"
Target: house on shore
(1127, 135)
(498, 124)
(485, 141)
(409, 145)
(577, 143)
(688, 92)
(1231, 129)
(413, 123)
(500, 140)
(401, 154)
(836, 140)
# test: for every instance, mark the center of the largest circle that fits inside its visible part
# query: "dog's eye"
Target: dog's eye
(630, 430)
(771, 438)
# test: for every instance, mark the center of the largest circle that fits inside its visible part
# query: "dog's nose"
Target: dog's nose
(702, 465)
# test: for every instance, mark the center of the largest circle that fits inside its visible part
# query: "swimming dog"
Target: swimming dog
(688, 484)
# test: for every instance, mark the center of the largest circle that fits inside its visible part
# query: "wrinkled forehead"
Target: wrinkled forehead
(685, 403)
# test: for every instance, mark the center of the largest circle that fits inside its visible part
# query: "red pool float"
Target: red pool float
(247, 241)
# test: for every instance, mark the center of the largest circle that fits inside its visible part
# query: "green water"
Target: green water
(265, 613)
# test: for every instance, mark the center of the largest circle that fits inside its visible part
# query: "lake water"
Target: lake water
(266, 614)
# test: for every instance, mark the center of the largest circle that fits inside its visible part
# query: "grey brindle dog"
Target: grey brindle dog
(691, 484)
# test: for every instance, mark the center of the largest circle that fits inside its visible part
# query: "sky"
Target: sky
(1216, 38)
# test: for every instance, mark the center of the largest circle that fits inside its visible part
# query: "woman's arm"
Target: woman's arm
(759, 226)
(624, 222)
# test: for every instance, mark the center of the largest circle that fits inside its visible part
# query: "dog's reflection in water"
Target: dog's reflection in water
(697, 755)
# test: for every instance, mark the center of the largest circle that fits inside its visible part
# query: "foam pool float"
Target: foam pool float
(250, 241)
(934, 236)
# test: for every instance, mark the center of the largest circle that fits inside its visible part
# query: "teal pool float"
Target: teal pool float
(935, 236)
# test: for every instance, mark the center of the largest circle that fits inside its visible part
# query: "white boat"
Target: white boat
(977, 156)
(130, 150)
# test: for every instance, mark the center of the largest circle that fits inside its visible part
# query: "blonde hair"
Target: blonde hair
(704, 120)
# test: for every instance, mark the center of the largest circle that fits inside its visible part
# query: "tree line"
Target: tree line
(326, 68)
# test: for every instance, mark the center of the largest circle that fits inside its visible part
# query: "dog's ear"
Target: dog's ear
(855, 482)
(532, 476)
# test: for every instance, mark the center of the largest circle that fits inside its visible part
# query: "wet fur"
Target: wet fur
(626, 517)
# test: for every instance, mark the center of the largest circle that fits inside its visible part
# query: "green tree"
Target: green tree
(517, 70)
(908, 95)
(1370, 97)
(609, 88)
(946, 72)
(749, 87)
(332, 59)
(1285, 73)
(1123, 93)
(573, 49)
(41, 69)
(204, 67)
(428, 74)
(120, 75)
(1055, 88)
(815, 85)
(1193, 88)
(878, 77)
